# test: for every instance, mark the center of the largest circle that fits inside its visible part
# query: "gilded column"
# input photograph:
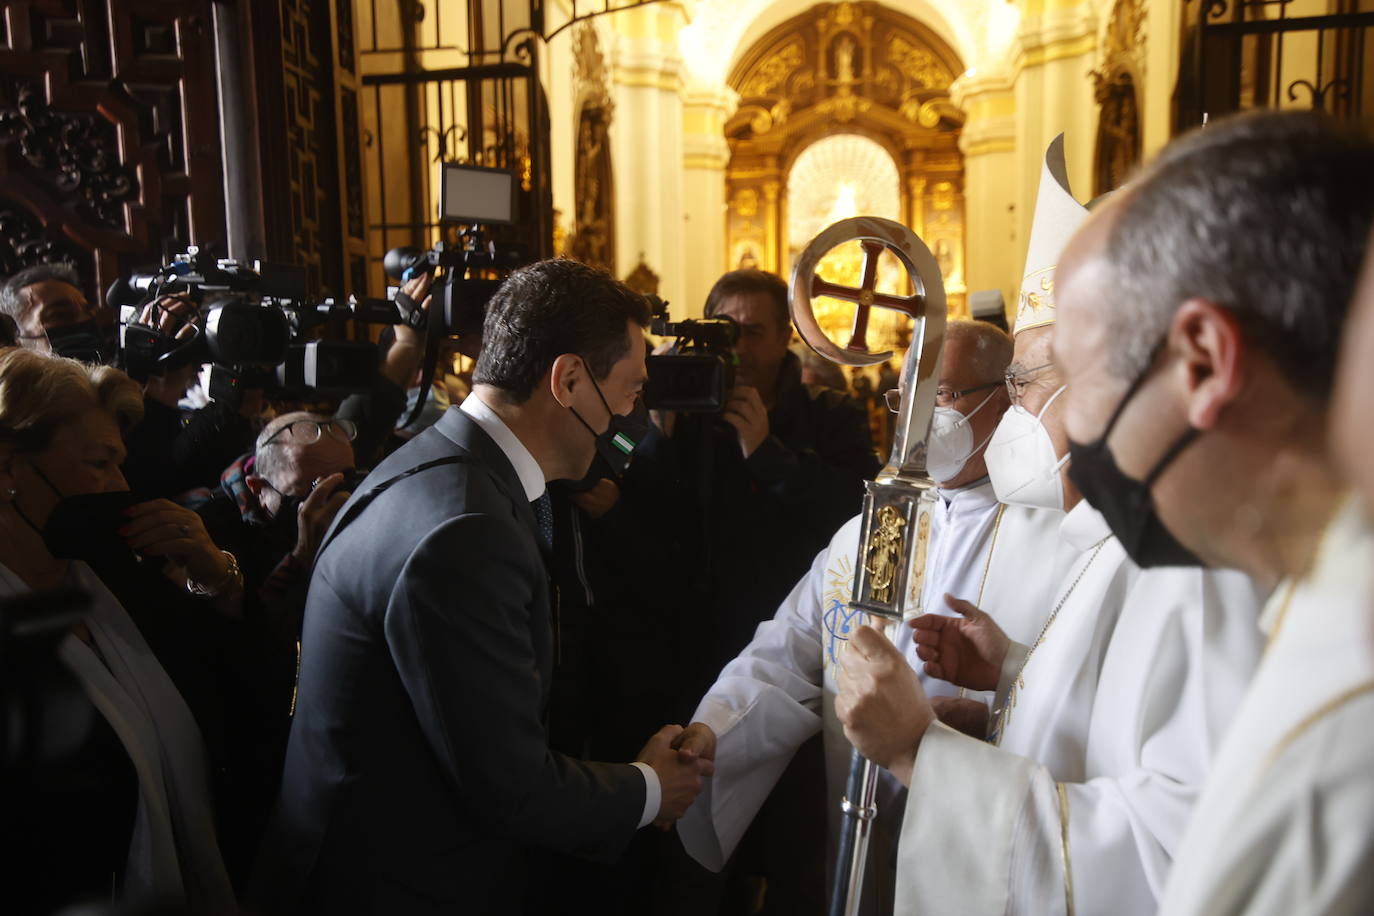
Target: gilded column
(773, 225)
(916, 189)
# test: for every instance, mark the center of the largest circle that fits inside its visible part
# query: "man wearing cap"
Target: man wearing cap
(1104, 720)
(780, 690)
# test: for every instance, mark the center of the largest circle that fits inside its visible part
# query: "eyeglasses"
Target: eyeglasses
(1017, 381)
(944, 397)
(308, 431)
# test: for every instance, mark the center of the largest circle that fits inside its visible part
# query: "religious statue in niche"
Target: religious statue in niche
(845, 59)
(1118, 132)
(944, 257)
(593, 240)
(643, 279)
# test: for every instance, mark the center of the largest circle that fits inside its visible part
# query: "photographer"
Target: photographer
(51, 313)
(173, 451)
(271, 510)
(167, 455)
(402, 350)
(763, 484)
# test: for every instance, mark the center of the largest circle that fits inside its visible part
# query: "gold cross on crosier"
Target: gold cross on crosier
(866, 296)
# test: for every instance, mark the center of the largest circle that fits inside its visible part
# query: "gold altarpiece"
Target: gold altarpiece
(848, 68)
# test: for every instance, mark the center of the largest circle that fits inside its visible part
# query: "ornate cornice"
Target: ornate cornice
(1056, 34)
(642, 64)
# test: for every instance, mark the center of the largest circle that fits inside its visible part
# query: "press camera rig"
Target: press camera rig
(697, 373)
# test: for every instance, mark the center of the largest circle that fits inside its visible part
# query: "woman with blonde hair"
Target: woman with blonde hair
(138, 823)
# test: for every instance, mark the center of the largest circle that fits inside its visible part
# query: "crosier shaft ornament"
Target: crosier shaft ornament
(889, 572)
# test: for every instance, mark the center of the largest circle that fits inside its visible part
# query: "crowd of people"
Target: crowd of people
(460, 648)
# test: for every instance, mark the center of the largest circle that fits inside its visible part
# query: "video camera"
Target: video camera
(460, 297)
(250, 323)
(697, 373)
(473, 198)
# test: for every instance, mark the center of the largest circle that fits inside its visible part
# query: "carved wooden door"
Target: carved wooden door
(109, 135)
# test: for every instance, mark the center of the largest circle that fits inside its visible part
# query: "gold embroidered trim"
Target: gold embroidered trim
(1064, 844)
(992, 547)
(1312, 718)
(987, 565)
(1004, 714)
(1281, 616)
(1293, 583)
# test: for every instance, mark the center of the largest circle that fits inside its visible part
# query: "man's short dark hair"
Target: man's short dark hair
(750, 282)
(550, 308)
(12, 301)
(1265, 214)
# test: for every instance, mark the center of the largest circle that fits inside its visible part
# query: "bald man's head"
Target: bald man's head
(989, 346)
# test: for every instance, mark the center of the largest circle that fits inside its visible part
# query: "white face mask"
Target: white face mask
(1022, 462)
(951, 441)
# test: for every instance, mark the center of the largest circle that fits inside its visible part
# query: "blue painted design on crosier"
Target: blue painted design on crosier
(840, 619)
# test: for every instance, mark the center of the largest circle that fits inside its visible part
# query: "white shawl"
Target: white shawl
(174, 856)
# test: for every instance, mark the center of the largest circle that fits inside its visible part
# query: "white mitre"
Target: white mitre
(1057, 216)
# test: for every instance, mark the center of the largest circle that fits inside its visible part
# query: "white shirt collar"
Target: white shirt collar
(971, 496)
(528, 470)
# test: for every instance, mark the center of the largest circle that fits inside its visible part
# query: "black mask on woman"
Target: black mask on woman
(1126, 503)
(85, 526)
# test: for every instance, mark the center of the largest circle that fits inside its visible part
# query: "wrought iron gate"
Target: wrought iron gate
(1242, 54)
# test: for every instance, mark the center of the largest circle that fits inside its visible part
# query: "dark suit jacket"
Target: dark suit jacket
(418, 771)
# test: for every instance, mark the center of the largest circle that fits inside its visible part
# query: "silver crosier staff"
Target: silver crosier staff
(889, 572)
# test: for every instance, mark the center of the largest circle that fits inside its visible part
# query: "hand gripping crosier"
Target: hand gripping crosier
(889, 574)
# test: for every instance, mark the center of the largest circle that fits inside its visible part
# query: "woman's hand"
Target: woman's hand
(161, 528)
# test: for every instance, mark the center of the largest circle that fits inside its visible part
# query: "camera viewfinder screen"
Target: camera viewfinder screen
(477, 195)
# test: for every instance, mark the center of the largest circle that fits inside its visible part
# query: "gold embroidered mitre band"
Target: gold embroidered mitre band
(1057, 216)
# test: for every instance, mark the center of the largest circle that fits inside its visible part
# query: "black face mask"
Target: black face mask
(616, 445)
(82, 340)
(86, 526)
(1126, 503)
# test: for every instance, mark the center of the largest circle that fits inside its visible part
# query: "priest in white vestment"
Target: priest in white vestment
(1239, 249)
(1106, 718)
(780, 690)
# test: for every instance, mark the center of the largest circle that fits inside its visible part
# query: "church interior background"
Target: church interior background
(667, 141)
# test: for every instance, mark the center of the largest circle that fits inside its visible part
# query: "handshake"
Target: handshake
(681, 758)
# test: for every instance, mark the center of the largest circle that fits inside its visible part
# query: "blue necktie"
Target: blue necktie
(543, 517)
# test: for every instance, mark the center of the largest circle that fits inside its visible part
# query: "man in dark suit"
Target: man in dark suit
(418, 776)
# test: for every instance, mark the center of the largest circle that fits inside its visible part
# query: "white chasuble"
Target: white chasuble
(1286, 822)
(1079, 802)
(780, 690)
